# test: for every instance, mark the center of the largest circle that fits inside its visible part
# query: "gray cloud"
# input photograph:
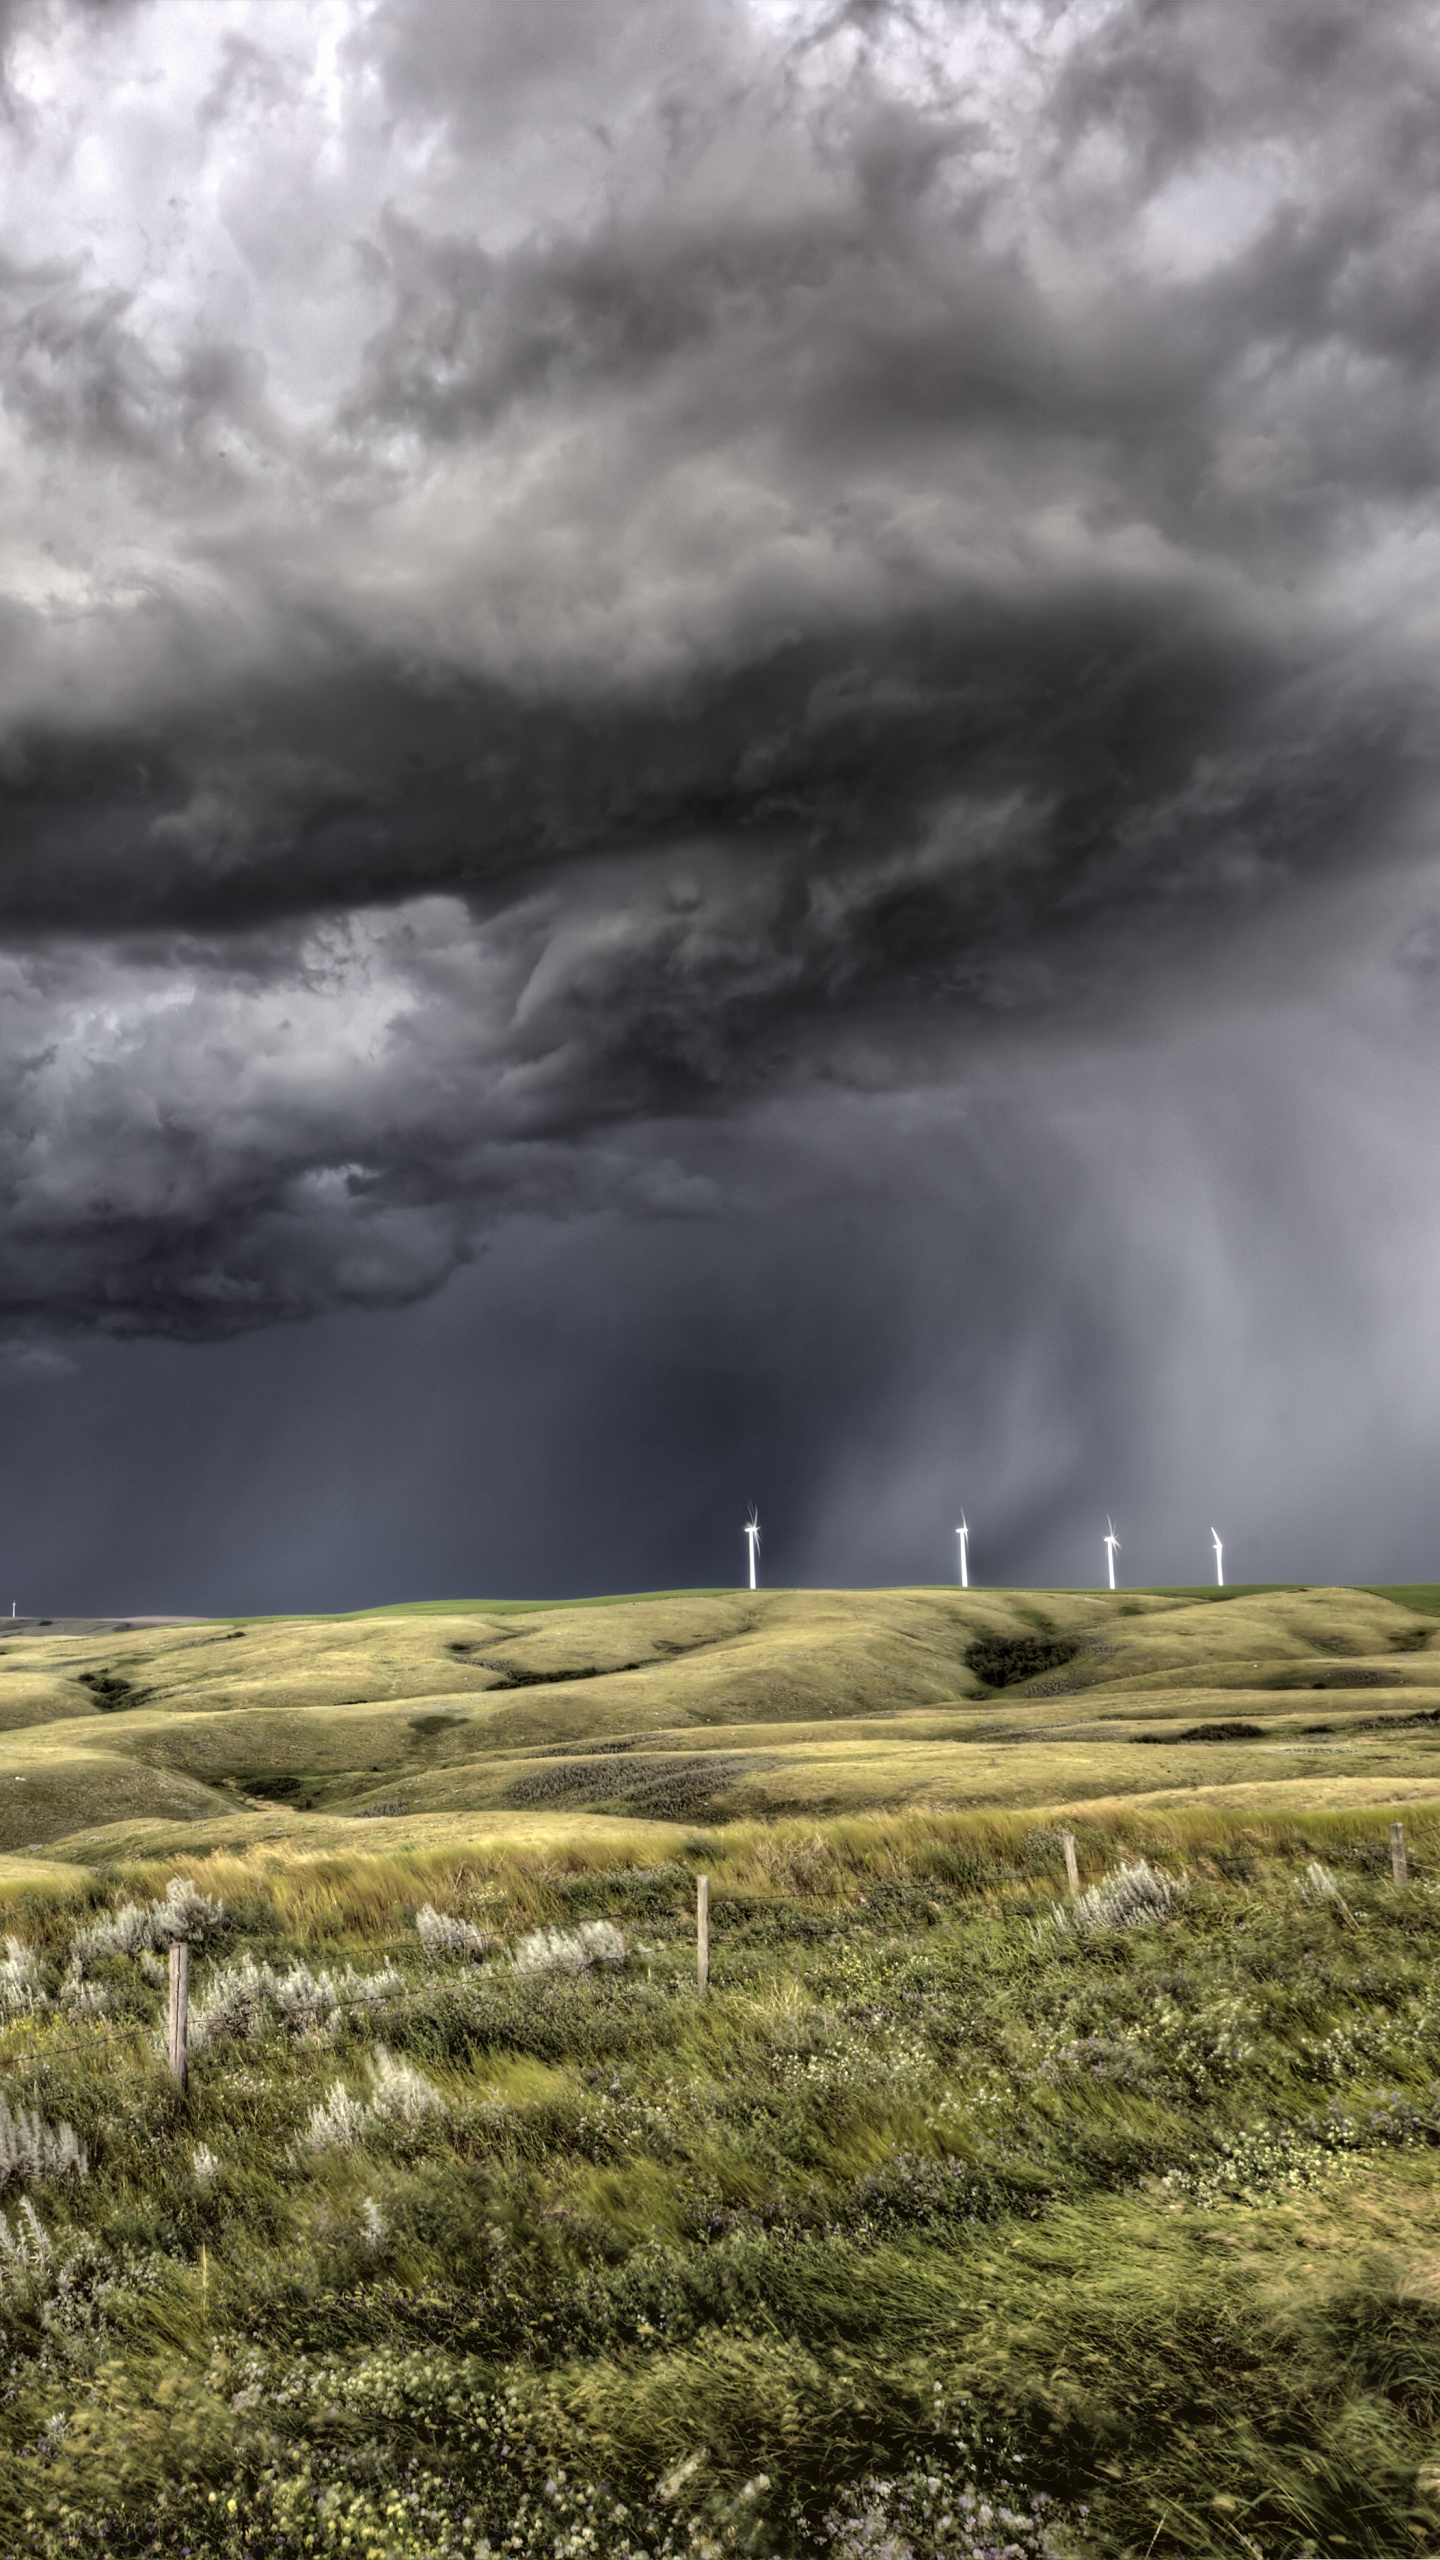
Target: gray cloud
(591, 595)
(34, 1363)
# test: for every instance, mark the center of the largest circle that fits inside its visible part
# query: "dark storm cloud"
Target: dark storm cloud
(571, 573)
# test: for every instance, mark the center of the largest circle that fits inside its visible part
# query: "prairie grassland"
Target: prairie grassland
(956, 2221)
(442, 1724)
(1130, 2231)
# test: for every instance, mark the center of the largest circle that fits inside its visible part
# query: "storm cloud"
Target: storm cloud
(695, 616)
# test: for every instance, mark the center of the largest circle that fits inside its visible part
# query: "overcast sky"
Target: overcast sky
(718, 745)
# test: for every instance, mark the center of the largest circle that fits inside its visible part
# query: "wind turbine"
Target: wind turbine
(752, 1532)
(1112, 1545)
(1219, 1557)
(963, 1534)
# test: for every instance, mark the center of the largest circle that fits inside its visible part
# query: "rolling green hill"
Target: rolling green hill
(508, 1720)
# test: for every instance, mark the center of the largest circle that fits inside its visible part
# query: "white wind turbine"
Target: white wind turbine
(1112, 1547)
(963, 1534)
(1219, 1557)
(752, 1532)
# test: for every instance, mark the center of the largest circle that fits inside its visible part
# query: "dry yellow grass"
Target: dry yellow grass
(644, 1717)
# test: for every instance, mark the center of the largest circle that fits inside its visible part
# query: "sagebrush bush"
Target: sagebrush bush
(79, 1998)
(245, 1996)
(30, 2148)
(399, 2091)
(123, 1932)
(570, 1950)
(140, 1929)
(338, 2122)
(184, 1912)
(1317, 1884)
(28, 2247)
(440, 1934)
(1131, 1898)
(22, 1981)
(399, 2094)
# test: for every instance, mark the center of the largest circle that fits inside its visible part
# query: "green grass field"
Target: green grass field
(955, 2220)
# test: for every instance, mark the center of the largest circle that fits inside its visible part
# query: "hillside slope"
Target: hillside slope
(697, 1708)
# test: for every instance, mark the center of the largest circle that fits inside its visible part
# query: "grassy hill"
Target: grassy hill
(492, 1720)
(957, 2219)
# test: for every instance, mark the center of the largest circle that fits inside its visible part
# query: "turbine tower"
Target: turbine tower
(1112, 1545)
(752, 1532)
(1219, 1557)
(963, 1534)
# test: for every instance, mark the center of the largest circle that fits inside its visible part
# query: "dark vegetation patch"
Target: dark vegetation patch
(1372, 1858)
(680, 1786)
(1379, 1724)
(651, 1894)
(1003, 1661)
(1362, 1677)
(963, 1868)
(110, 1690)
(591, 1750)
(428, 1726)
(274, 1786)
(518, 1675)
(1236, 1730)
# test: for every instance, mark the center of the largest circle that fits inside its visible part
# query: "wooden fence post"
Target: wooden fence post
(179, 2022)
(702, 1932)
(1072, 1863)
(1399, 1863)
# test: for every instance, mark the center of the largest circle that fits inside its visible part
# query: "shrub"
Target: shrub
(1318, 1884)
(440, 1934)
(28, 2247)
(243, 1995)
(934, 2512)
(79, 1998)
(570, 1950)
(124, 1933)
(30, 2148)
(301, 1998)
(338, 2122)
(235, 2002)
(1002, 1661)
(1130, 1898)
(185, 1913)
(21, 1986)
(402, 2093)
(138, 1929)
